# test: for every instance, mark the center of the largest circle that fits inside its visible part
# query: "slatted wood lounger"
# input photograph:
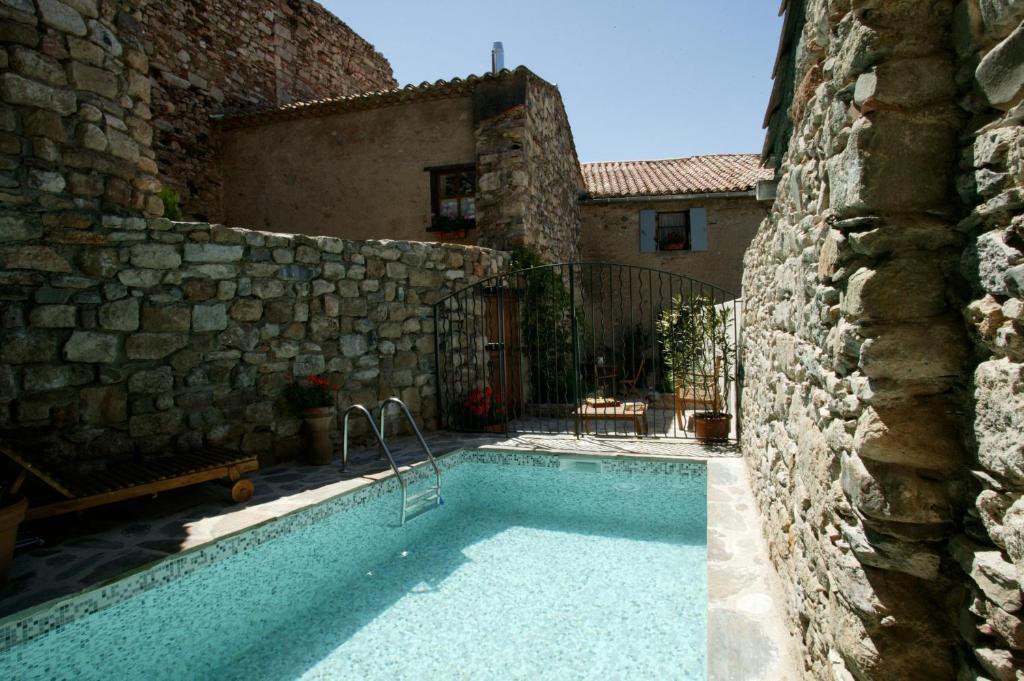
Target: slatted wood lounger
(130, 479)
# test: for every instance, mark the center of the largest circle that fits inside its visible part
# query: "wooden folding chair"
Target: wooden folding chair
(630, 384)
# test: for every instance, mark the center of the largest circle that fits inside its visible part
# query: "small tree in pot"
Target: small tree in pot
(313, 397)
(696, 337)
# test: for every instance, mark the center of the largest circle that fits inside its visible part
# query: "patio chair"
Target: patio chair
(629, 385)
(129, 479)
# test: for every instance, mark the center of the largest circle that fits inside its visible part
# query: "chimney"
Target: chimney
(497, 57)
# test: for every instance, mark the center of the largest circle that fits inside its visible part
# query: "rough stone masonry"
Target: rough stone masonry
(886, 446)
(152, 335)
(101, 101)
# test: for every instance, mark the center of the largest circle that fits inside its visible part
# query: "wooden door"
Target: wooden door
(502, 338)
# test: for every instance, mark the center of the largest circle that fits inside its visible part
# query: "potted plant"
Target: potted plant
(697, 350)
(12, 512)
(483, 411)
(313, 397)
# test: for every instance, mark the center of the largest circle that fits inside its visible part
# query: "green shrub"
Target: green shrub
(546, 328)
(172, 211)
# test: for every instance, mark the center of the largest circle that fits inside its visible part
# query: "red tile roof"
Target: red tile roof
(675, 176)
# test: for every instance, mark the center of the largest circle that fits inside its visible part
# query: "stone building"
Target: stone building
(206, 58)
(484, 160)
(103, 100)
(690, 216)
(121, 332)
(884, 386)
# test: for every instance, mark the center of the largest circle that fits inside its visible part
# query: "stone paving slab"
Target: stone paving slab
(747, 636)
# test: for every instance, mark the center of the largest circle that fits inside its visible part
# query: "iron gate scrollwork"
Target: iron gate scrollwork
(589, 348)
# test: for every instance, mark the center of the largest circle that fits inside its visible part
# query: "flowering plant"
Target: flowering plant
(311, 392)
(482, 407)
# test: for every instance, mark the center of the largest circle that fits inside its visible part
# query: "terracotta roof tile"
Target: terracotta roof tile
(692, 175)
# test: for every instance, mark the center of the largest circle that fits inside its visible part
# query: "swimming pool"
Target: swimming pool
(537, 566)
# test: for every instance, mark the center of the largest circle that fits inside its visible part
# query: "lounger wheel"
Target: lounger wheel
(242, 491)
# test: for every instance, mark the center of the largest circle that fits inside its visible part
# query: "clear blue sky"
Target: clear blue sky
(640, 78)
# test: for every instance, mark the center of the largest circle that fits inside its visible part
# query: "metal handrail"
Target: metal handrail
(380, 440)
(415, 429)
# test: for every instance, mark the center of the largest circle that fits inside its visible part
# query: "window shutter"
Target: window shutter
(648, 227)
(698, 229)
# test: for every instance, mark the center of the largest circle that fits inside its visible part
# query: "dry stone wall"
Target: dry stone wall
(208, 57)
(855, 350)
(555, 180)
(75, 128)
(138, 335)
(990, 43)
(528, 177)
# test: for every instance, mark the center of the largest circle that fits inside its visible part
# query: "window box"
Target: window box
(441, 223)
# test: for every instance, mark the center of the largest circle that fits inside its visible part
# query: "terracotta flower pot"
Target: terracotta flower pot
(318, 420)
(708, 428)
(11, 516)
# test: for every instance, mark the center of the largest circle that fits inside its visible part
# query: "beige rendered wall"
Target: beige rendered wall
(356, 174)
(611, 233)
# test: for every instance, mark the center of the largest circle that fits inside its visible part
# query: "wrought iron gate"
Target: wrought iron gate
(589, 348)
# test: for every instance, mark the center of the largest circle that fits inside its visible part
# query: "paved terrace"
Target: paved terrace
(745, 620)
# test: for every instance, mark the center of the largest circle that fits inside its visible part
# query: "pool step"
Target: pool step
(421, 502)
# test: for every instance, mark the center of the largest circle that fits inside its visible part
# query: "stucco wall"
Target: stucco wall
(358, 174)
(209, 57)
(611, 233)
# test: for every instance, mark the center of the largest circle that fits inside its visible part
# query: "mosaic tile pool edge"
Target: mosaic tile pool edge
(58, 613)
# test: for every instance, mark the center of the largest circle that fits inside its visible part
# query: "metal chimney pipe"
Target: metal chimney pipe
(497, 57)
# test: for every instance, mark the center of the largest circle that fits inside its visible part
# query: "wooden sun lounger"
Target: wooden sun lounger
(130, 479)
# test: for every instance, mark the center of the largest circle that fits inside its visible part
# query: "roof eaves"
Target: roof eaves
(425, 91)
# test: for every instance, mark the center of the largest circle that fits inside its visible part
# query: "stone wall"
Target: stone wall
(208, 57)
(855, 351)
(990, 42)
(137, 335)
(555, 180)
(75, 130)
(528, 176)
(359, 167)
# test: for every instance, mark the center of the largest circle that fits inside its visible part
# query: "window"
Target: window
(452, 198)
(673, 231)
(677, 230)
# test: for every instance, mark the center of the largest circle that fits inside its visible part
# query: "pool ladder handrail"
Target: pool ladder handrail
(433, 495)
(384, 449)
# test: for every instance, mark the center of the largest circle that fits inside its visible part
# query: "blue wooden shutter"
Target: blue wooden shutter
(698, 229)
(648, 228)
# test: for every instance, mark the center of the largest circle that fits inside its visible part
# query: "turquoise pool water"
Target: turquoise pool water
(526, 572)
